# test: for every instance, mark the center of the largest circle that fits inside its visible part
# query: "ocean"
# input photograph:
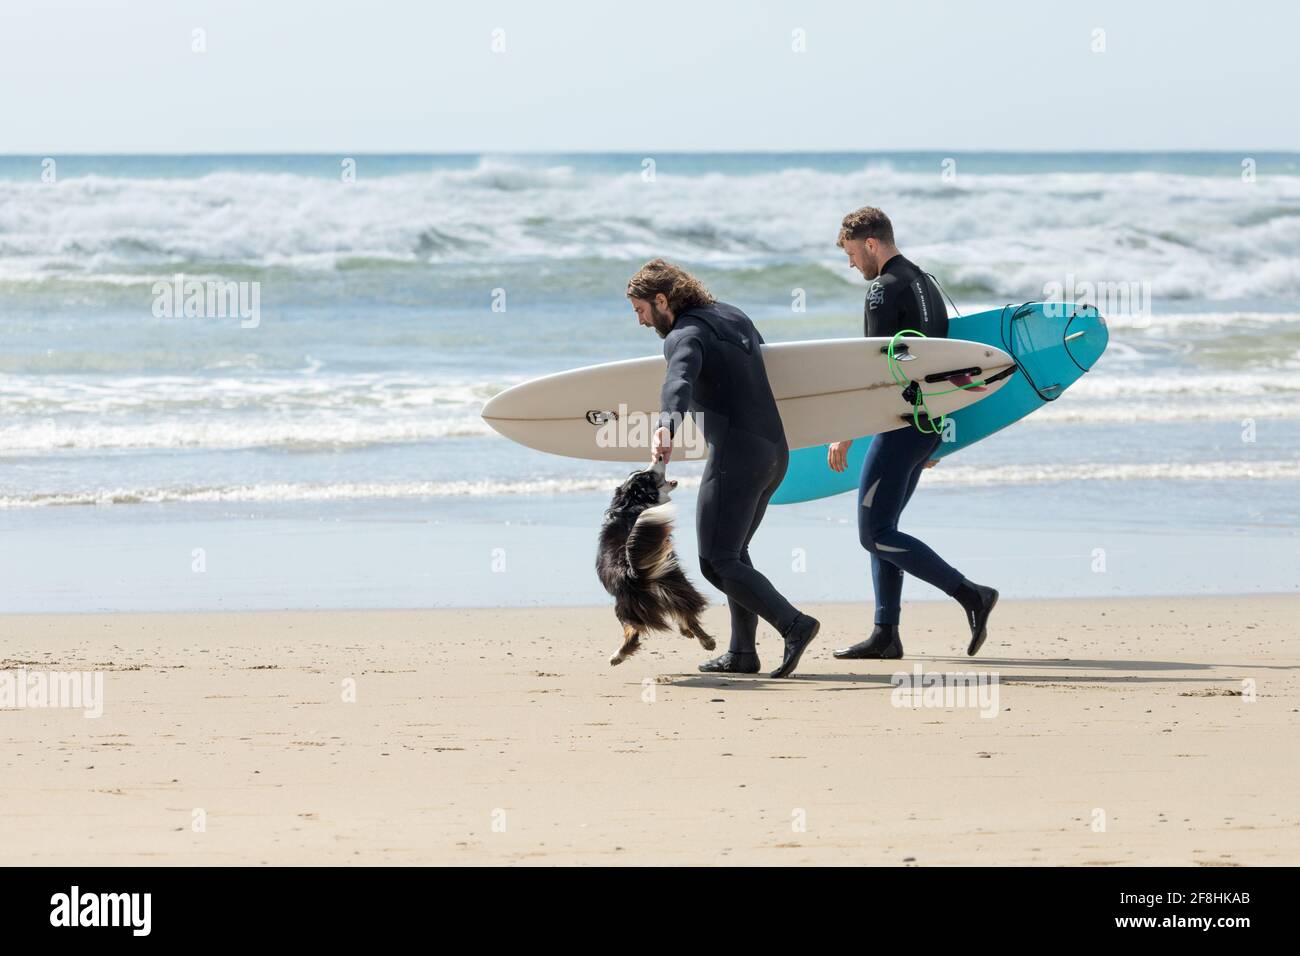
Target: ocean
(327, 451)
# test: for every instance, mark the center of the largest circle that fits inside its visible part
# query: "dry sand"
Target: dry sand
(503, 736)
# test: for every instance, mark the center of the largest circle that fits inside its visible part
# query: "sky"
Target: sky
(117, 76)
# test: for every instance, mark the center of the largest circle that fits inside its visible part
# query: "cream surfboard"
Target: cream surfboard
(826, 390)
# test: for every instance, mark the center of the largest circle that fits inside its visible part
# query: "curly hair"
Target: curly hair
(866, 223)
(683, 291)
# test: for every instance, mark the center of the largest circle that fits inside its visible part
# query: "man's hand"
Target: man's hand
(838, 455)
(662, 445)
(931, 463)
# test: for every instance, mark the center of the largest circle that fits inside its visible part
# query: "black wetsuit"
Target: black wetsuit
(903, 297)
(715, 371)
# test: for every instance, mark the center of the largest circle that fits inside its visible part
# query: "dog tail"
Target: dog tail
(650, 544)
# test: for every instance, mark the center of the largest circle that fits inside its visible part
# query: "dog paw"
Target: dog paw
(615, 659)
(708, 643)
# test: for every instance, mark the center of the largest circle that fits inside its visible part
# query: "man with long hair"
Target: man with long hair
(716, 371)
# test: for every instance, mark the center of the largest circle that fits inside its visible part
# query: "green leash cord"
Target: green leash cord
(902, 381)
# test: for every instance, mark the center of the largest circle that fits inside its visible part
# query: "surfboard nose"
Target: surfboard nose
(1086, 336)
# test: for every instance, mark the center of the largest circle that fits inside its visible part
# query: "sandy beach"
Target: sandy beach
(1125, 732)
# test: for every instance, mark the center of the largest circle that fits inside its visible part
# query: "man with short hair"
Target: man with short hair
(716, 371)
(899, 297)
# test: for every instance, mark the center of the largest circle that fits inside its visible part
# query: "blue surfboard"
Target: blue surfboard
(1053, 343)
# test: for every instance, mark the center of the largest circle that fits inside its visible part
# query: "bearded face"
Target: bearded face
(867, 256)
(649, 314)
(662, 321)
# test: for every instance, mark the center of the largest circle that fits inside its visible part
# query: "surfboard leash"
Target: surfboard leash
(930, 276)
(912, 391)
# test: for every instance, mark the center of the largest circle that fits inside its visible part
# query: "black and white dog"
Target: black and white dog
(637, 565)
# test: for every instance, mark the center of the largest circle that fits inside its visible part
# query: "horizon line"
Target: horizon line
(675, 152)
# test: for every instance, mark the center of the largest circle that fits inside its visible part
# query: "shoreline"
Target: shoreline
(541, 553)
(934, 598)
(503, 736)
